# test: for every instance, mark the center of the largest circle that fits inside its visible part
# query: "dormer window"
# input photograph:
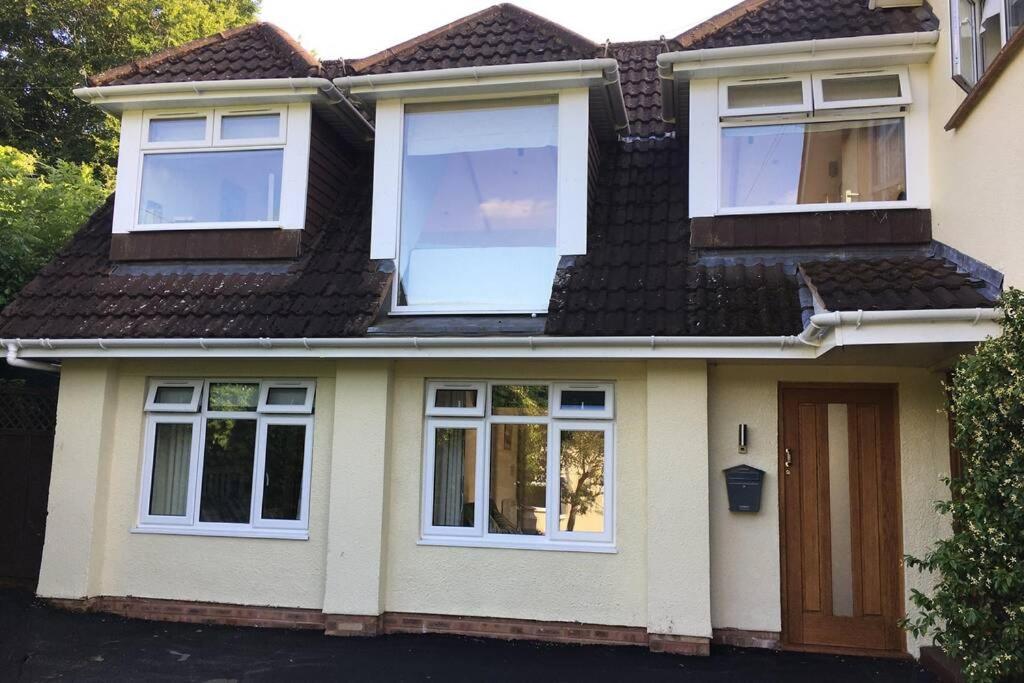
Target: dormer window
(479, 205)
(980, 29)
(813, 141)
(213, 168)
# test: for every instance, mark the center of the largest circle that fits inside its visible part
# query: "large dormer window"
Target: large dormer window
(980, 29)
(479, 205)
(213, 168)
(813, 141)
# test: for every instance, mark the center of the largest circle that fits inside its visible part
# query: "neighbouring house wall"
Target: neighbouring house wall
(977, 174)
(745, 560)
(100, 428)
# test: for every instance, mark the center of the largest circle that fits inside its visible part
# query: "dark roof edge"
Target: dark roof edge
(273, 33)
(979, 270)
(718, 22)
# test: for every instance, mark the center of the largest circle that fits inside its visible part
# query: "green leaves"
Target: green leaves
(40, 206)
(976, 611)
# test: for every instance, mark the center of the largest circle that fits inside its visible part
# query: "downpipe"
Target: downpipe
(15, 362)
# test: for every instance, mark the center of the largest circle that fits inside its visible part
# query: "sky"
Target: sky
(351, 29)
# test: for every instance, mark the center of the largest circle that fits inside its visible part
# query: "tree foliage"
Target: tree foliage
(47, 47)
(40, 206)
(976, 610)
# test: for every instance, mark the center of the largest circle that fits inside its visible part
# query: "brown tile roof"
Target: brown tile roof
(756, 22)
(501, 34)
(641, 87)
(259, 50)
(894, 284)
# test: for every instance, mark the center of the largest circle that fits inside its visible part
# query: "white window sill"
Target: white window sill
(286, 534)
(556, 546)
(815, 208)
(233, 225)
(406, 310)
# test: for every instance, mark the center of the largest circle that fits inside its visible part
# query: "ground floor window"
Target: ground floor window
(519, 464)
(227, 457)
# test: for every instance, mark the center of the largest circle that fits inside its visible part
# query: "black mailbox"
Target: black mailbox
(743, 483)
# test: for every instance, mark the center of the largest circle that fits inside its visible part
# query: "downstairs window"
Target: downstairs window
(227, 458)
(521, 465)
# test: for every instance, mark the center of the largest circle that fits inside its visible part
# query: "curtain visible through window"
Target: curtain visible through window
(169, 489)
(454, 476)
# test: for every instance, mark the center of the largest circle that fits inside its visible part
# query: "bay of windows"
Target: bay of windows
(227, 457)
(519, 464)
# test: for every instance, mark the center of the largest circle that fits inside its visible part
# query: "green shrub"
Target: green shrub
(976, 610)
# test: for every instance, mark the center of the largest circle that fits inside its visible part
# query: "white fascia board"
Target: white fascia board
(119, 98)
(808, 55)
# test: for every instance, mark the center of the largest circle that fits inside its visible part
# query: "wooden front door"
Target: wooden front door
(840, 518)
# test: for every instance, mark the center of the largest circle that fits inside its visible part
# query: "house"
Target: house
(461, 336)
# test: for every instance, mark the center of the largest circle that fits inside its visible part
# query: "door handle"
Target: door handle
(789, 460)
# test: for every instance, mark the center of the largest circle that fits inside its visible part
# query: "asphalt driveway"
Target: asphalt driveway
(38, 642)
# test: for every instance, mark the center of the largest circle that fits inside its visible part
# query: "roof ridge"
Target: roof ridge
(274, 35)
(389, 53)
(718, 22)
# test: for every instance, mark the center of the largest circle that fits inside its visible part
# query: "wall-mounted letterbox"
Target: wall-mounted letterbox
(743, 483)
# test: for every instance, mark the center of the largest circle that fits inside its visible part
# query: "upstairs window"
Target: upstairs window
(212, 168)
(980, 29)
(814, 141)
(477, 200)
(479, 205)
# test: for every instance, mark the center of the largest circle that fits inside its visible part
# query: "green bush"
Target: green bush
(40, 207)
(976, 610)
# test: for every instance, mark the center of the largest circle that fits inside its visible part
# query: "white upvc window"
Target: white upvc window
(213, 168)
(476, 200)
(818, 141)
(980, 28)
(535, 470)
(233, 458)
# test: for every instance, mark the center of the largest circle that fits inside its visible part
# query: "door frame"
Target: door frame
(893, 390)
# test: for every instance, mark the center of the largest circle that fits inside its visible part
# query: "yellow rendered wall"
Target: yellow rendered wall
(745, 560)
(978, 170)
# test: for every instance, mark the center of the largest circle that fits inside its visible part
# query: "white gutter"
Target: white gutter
(15, 362)
(824, 332)
(116, 94)
(608, 67)
(692, 60)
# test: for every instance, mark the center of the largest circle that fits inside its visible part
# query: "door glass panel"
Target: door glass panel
(581, 459)
(840, 510)
(518, 486)
(454, 476)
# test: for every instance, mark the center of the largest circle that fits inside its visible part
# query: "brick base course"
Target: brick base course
(768, 640)
(391, 622)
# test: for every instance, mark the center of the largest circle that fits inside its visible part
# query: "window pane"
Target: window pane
(967, 36)
(861, 88)
(193, 187)
(282, 479)
(518, 479)
(814, 163)
(1015, 18)
(519, 399)
(286, 396)
(227, 471)
(583, 399)
(454, 477)
(478, 207)
(177, 130)
(251, 126)
(174, 395)
(749, 95)
(232, 397)
(581, 458)
(991, 32)
(455, 398)
(169, 485)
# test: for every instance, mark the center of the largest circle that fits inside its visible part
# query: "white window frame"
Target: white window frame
(967, 82)
(190, 524)
(804, 108)
(607, 413)
(294, 141)
(902, 73)
(475, 411)
(153, 407)
(479, 535)
(305, 408)
(572, 183)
